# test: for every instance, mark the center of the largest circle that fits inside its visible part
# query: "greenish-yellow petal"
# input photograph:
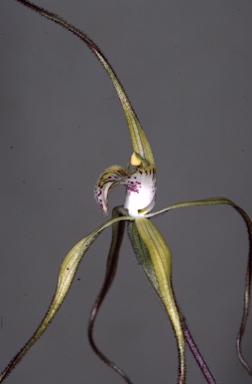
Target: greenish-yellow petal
(67, 272)
(162, 261)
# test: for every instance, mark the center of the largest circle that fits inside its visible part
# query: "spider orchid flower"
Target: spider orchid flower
(149, 245)
(140, 181)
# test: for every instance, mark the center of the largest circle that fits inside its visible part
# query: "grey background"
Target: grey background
(186, 66)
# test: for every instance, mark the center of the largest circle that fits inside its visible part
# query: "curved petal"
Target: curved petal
(108, 179)
(67, 272)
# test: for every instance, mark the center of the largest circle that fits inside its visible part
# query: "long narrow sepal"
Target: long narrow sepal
(111, 268)
(161, 258)
(138, 137)
(67, 272)
(196, 353)
(143, 256)
(248, 280)
(145, 261)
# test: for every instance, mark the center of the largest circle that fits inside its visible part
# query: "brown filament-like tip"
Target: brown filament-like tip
(117, 236)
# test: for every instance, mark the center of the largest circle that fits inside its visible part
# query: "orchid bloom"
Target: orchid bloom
(153, 253)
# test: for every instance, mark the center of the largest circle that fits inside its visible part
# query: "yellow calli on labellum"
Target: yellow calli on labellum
(150, 247)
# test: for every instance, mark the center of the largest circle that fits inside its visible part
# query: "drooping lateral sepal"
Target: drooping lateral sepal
(143, 255)
(161, 258)
(67, 272)
(145, 261)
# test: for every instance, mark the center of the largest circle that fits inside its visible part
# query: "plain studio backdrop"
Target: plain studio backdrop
(186, 66)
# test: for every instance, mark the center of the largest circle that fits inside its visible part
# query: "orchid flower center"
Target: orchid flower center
(141, 187)
(140, 181)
